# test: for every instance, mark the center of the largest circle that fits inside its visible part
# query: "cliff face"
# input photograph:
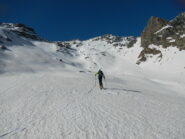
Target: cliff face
(165, 33)
(162, 33)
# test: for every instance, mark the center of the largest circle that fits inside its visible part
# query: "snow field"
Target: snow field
(61, 105)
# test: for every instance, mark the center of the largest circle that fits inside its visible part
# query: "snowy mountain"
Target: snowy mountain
(11, 32)
(48, 89)
(23, 50)
(160, 47)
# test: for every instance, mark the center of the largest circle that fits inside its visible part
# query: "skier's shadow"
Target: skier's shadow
(119, 89)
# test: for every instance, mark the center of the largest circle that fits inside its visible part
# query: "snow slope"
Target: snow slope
(49, 91)
(67, 105)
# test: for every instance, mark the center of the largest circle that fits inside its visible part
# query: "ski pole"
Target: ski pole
(95, 81)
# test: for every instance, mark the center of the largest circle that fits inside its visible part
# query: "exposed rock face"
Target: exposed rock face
(117, 40)
(166, 33)
(63, 44)
(179, 20)
(148, 36)
(143, 55)
(25, 28)
(163, 33)
(26, 32)
(132, 41)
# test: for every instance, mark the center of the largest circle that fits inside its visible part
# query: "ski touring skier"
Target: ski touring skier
(100, 76)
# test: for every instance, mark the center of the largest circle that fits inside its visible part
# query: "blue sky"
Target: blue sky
(83, 19)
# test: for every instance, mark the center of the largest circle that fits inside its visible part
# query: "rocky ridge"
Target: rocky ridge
(163, 33)
(9, 32)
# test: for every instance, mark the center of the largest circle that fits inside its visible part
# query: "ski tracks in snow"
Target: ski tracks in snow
(54, 106)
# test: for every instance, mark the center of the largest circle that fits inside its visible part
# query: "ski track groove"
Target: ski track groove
(49, 110)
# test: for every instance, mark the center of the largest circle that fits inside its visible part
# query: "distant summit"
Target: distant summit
(9, 32)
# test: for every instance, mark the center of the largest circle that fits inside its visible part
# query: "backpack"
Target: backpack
(100, 73)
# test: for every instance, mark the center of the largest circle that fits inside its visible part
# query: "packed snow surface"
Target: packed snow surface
(69, 105)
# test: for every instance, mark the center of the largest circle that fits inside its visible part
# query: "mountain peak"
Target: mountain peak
(17, 27)
(9, 31)
(166, 33)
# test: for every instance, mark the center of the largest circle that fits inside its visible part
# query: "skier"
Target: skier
(100, 76)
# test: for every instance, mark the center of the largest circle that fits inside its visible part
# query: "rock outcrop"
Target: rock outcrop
(161, 32)
(165, 33)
